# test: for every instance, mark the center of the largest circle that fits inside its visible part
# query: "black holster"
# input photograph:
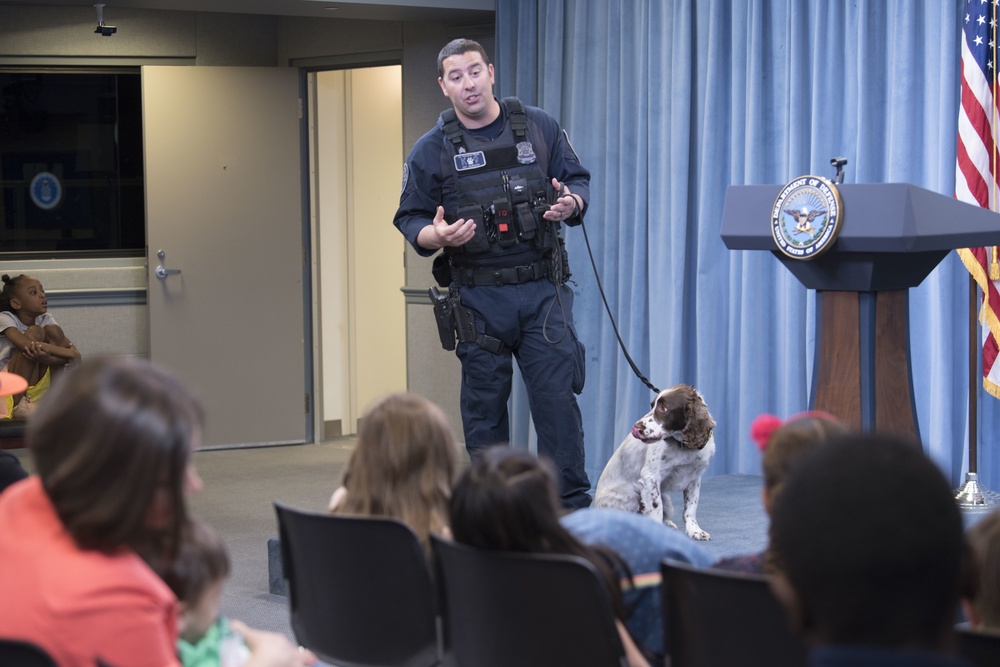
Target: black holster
(444, 308)
(455, 322)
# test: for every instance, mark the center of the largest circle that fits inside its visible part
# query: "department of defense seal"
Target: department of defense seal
(46, 190)
(806, 217)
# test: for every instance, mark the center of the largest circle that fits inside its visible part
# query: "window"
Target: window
(71, 173)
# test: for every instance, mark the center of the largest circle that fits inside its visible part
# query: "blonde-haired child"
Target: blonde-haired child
(402, 466)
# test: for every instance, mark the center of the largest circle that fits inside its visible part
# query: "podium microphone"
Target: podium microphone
(839, 163)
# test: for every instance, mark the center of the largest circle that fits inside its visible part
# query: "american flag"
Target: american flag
(976, 166)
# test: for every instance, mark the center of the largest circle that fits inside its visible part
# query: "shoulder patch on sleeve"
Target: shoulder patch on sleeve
(570, 146)
(406, 176)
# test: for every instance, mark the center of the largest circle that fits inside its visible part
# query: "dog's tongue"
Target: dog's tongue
(636, 433)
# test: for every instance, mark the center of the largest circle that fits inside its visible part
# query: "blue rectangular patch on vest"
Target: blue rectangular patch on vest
(467, 161)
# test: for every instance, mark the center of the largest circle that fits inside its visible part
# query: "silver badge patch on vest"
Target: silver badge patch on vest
(467, 161)
(525, 152)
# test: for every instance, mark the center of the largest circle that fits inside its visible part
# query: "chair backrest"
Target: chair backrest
(978, 648)
(360, 590)
(713, 618)
(24, 654)
(531, 610)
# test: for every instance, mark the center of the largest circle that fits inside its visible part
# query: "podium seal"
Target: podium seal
(806, 217)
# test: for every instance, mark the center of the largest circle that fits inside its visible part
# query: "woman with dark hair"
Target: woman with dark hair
(507, 500)
(112, 450)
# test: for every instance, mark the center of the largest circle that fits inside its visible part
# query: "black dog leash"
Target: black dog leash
(614, 325)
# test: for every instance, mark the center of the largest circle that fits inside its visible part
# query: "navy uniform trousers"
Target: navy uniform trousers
(529, 320)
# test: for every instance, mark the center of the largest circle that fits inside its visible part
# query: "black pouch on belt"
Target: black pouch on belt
(441, 270)
(478, 243)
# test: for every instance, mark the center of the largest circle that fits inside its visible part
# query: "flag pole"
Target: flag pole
(979, 75)
(971, 494)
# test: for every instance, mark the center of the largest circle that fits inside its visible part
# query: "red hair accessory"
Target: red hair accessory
(764, 426)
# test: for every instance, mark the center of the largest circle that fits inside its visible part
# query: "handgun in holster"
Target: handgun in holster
(443, 315)
(453, 321)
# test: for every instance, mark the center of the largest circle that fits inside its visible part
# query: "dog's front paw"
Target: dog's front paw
(699, 534)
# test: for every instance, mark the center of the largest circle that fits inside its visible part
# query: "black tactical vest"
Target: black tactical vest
(503, 185)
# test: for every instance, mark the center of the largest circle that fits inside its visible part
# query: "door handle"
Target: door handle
(162, 272)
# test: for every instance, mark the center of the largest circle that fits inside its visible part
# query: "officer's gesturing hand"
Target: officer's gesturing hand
(440, 233)
(566, 206)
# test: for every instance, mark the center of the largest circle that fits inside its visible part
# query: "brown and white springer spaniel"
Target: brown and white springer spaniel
(667, 450)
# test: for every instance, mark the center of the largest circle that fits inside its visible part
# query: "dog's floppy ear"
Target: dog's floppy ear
(699, 425)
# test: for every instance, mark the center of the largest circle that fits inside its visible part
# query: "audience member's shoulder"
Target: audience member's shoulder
(628, 532)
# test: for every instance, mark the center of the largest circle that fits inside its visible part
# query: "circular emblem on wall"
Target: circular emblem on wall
(806, 217)
(45, 190)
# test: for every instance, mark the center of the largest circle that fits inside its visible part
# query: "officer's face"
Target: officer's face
(468, 83)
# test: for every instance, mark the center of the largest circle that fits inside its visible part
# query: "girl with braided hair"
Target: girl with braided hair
(32, 344)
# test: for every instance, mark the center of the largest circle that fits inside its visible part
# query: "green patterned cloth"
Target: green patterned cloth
(219, 647)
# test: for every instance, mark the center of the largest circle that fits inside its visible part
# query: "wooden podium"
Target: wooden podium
(893, 235)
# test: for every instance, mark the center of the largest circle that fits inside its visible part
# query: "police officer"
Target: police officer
(490, 184)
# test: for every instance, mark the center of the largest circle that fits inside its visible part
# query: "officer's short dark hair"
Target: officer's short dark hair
(457, 47)
(867, 533)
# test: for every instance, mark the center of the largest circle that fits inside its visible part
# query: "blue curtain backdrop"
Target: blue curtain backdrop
(670, 101)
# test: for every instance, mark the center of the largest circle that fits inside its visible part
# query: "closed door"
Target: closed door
(224, 211)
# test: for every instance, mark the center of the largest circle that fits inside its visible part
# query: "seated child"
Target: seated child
(197, 578)
(869, 554)
(782, 445)
(508, 500)
(208, 639)
(32, 344)
(983, 607)
(402, 466)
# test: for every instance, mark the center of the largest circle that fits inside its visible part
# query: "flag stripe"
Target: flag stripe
(975, 166)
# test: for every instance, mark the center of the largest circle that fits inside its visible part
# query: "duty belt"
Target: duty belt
(468, 276)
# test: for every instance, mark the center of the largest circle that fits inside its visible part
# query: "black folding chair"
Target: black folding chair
(502, 609)
(713, 618)
(978, 648)
(24, 654)
(360, 590)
